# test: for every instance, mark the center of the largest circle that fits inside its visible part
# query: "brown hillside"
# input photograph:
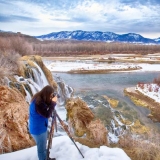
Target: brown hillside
(18, 34)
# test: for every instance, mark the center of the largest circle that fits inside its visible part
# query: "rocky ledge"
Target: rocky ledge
(140, 99)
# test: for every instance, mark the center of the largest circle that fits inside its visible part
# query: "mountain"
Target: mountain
(97, 36)
(157, 40)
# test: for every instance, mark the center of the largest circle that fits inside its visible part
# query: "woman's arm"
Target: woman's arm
(44, 110)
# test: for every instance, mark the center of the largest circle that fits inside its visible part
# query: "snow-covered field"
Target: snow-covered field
(64, 149)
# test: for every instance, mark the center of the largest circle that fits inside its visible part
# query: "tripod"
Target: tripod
(51, 133)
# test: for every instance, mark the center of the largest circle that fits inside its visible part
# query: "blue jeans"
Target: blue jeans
(41, 141)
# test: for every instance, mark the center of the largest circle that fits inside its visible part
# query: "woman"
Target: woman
(41, 108)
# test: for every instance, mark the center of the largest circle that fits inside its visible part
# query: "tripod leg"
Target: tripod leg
(49, 146)
(65, 127)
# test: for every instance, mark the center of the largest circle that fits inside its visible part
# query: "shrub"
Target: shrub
(157, 81)
(9, 64)
(21, 46)
(16, 44)
(144, 147)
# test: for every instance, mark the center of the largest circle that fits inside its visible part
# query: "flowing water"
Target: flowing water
(112, 85)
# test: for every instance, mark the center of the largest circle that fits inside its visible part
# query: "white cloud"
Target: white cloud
(113, 16)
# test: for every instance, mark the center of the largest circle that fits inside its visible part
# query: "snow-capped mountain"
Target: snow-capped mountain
(97, 36)
(157, 40)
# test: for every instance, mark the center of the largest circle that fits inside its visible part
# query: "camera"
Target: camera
(58, 96)
(55, 94)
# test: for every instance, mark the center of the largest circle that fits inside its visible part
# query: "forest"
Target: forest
(26, 45)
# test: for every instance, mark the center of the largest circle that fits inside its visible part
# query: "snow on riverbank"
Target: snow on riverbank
(64, 66)
(149, 67)
(150, 90)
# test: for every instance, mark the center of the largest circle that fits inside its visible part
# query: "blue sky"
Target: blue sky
(37, 17)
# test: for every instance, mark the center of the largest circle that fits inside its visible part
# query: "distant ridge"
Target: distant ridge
(18, 34)
(98, 36)
(157, 39)
(87, 36)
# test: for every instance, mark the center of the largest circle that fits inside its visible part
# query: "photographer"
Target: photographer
(42, 105)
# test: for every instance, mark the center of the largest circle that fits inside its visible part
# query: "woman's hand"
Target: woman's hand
(54, 99)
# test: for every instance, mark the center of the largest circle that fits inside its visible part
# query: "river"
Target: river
(112, 85)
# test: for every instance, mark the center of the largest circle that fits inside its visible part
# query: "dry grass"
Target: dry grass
(145, 147)
(11, 48)
(15, 44)
(157, 80)
(9, 65)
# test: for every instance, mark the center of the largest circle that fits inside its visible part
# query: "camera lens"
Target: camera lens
(58, 96)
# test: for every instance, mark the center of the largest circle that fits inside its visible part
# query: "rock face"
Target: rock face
(13, 121)
(85, 123)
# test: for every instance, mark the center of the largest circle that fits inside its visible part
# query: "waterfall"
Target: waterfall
(34, 86)
(28, 96)
(23, 81)
(35, 82)
(39, 76)
(115, 132)
(64, 91)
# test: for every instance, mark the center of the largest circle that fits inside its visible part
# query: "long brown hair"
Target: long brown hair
(43, 95)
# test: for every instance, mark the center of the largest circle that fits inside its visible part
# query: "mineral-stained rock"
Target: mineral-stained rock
(79, 115)
(84, 124)
(13, 121)
(139, 128)
(112, 102)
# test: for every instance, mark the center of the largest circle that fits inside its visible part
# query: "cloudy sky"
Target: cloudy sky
(37, 17)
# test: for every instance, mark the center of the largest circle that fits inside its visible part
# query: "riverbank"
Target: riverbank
(140, 99)
(103, 64)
